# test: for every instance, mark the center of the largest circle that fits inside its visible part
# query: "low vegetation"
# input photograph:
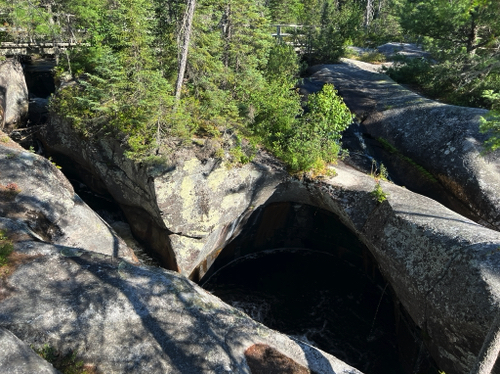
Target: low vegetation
(6, 248)
(378, 193)
(65, 363)
(490, 124)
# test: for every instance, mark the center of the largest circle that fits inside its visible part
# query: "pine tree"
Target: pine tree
(464, 38)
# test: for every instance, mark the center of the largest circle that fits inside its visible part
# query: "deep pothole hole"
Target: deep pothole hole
(297, 269)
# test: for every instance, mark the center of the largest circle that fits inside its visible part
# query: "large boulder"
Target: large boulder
(37, 199)
(444, 268)
(185, 207)
(16, 357)
(14, 98)
(121, 318)
(440, 144)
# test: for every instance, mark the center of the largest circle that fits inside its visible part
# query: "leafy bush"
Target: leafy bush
(314, 139)
(372, 57)
(67, 364)
(410, 70)
(338, 26)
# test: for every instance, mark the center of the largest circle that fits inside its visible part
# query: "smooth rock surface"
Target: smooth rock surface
(13, 94)
(444, 268)
(443, 140)
(410, 50)
(122, 318)
(185, 208)
(36, 195)
(17, 358)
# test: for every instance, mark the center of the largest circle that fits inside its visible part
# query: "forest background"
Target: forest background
(144, 71)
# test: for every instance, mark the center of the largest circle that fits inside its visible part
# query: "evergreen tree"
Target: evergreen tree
(464, 37)
(339, 23)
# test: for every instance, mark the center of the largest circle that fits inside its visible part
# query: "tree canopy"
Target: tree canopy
(142, 70)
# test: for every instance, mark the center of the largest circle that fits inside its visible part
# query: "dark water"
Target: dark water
(110, 212)
(316, 298)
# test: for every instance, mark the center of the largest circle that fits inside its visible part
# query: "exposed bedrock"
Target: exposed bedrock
(13, 94)
(121, 318)
(16, 357)
(70, 286)
(444, 268)
(430, 147)
(38, 202)
(184, 209)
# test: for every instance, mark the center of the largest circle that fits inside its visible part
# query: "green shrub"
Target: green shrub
(378, 193)
(6, 248)
(410, 70)
(314, 139)
(372, 57)
(67, 364)
(490, 123)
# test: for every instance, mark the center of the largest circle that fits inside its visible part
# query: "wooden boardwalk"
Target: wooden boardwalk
(31, 48)
(288, 33)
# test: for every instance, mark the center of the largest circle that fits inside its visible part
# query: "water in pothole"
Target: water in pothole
(315, 297)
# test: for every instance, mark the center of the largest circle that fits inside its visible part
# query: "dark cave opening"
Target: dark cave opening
(297, 269)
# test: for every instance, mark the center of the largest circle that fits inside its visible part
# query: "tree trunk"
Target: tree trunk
(184, 38)
(472, 37)
(368, 13)
(226, 31)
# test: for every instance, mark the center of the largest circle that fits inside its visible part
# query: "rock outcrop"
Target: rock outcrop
(121, 318)
(444, 268)
(13, 94)
(71, 285)
(440, 143)
(186, 208)
(17, 358)
(37, 200)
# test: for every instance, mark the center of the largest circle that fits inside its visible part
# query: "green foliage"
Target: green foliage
(338, 25)
(490, 124)
(463, 37)
(379, 172)
(391, 149)
(30, 19)
(6, 248)
(238, 79)
(120, 90)
(453, 27)
(314, 138)
(378, 193)
(410, 71)
(285, 11)
(372, 57)
(67, 364)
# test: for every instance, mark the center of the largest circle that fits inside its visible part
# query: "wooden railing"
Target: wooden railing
(30, 48)
(295, 38)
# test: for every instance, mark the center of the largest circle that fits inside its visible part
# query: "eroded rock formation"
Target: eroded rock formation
(429, 145)
(37, 200)
(72, 285)
(16, 357)
(13, 94)
(185, 208)
(442, 266)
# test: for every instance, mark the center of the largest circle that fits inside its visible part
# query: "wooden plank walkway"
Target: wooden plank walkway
(50, 48)
(30, 48)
